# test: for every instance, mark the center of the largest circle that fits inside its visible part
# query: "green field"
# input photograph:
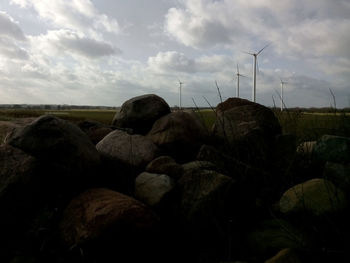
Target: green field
(305, 126)
(103, 116)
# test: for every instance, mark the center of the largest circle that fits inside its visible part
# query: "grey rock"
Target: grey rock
(151, 188)
(139, 113)
(165, 165)
(133, 150)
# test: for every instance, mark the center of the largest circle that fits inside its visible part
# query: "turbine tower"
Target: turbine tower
(238, 75)
(282, 83)
(180, 95)
(255, 55)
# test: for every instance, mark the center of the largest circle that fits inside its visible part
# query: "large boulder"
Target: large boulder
(21, 195)
(61, 146)
(206, 205)
(141, 112)
(109, 226)
(250, 126)
(316, 197)
(333, 148)
(151, 188)
(96, 131)
(338, 173)
(165, 165)
(179, 134)
(133, 150)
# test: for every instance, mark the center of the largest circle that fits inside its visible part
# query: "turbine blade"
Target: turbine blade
(263, 49)
(237, 69)
(248, 53)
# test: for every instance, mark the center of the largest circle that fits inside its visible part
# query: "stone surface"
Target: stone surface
(338, 173)
(21, 196)
(165, 165)
(179, 134)
(94, 130)
(205, 198)
(133, 150)
(316, 196)
(195, 165)
(286, 255)
(150, 188)
(58, 143)
(106, 224)
(240, 119)
(333, 148)
(139, 113)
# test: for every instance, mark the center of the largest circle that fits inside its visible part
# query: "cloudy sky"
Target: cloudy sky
(103, 52)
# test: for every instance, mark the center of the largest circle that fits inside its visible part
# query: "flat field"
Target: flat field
(305, 126)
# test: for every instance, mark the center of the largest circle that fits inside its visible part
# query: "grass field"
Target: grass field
(305, 126)
(104, 116)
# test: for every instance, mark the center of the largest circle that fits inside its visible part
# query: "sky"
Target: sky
(104, 52)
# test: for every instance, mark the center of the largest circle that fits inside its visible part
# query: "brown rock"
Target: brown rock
(106, 224)
(240, 119)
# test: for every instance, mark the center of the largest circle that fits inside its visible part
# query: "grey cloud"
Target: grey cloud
(11, 50)
(9, 28)
(171, 61)
(88, 47)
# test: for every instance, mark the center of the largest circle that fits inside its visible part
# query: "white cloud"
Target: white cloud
(172, 62)
(80, 15)
(73, 43)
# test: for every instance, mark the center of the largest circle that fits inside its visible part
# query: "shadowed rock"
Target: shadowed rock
(141, 112)
(94, 130)
(240, 119)
(165, 165)
(108, 225)
(179, 134)
(316, 196)
(59, 143)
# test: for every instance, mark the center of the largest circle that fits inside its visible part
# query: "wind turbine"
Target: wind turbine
(180, 91)
(238, 75)
(255, 55)
(282, 83)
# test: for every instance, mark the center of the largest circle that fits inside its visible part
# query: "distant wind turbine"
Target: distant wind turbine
(238, 75)
(255, 55)
(180, 91)
(282, 102)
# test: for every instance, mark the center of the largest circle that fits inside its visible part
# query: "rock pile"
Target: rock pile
(159, 187)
